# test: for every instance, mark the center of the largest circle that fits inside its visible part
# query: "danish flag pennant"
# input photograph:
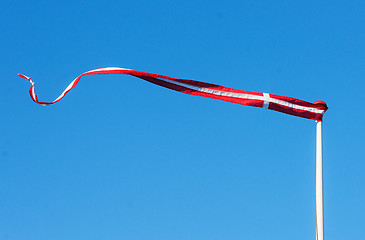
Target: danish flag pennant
(278, 103)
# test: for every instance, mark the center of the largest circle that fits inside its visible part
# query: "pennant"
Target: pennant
(274, 102)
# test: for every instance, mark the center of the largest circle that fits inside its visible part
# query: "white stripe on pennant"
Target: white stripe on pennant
(266, 100)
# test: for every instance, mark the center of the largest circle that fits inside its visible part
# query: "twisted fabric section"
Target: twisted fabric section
(278, 103)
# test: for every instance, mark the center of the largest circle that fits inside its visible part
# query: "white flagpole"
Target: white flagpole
(319, 183)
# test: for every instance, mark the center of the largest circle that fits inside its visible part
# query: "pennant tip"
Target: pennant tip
(23, 76)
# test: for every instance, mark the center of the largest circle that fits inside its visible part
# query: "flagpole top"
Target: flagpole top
(321, 105)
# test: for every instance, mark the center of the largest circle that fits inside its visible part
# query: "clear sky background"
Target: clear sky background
(120, 158)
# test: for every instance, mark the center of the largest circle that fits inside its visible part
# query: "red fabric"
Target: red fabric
(278, 103)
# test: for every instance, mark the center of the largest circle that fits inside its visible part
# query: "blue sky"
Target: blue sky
(120, 158)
